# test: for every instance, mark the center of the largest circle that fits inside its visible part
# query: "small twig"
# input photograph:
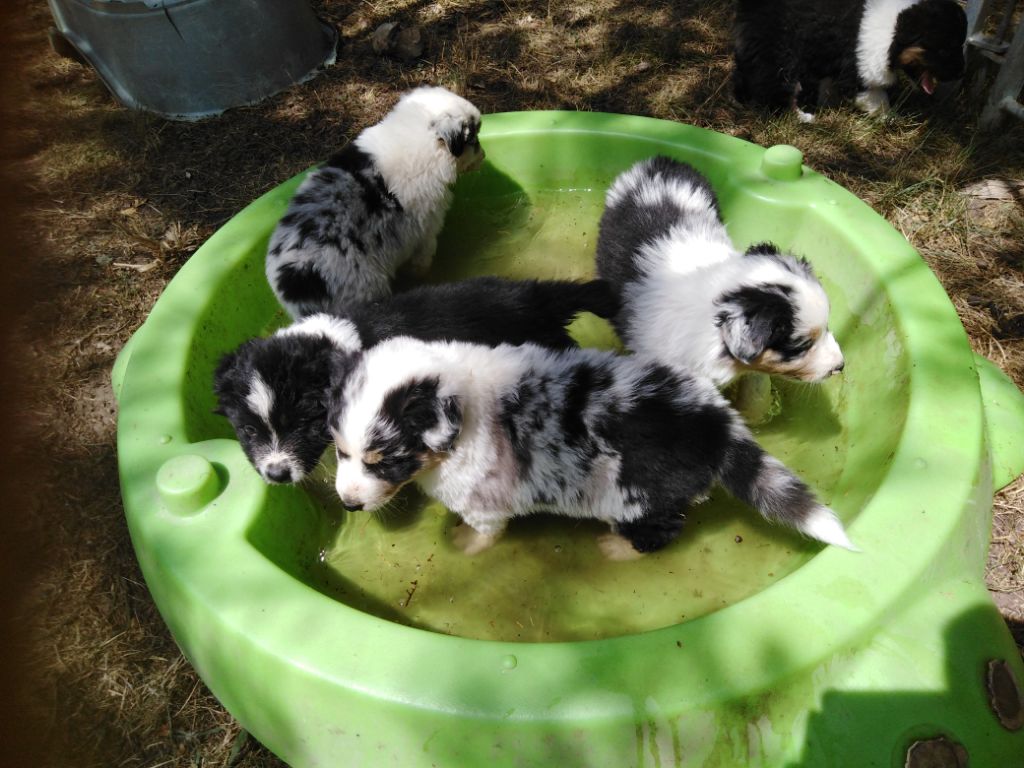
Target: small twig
(409, 593)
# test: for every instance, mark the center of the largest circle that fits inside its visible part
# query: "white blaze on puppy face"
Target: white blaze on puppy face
(391, 427)
(260, 399)
(274, 463)
(357, 484)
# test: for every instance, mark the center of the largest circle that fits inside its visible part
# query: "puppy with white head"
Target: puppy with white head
(494, 433)
(788, 52)
(274, 390)
(374, 206)
(691, 300)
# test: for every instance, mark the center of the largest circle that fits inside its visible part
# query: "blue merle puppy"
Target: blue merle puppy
(273, 390)
(691, 300)
(495, 433)
(374, 206)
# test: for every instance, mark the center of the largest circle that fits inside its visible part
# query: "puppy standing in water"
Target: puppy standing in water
(274, 390)
(494, 433)
(790, 51)
(374, 206)
(691, 300)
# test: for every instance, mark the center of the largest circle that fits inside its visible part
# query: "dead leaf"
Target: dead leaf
(137, 267)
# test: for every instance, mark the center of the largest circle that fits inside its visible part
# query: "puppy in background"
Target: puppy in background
(374, 206)
(274, 390)
(495, 433)
(690, 300)
(789, 51)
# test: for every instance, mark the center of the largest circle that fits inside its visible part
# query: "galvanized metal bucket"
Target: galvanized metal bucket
(189, 59)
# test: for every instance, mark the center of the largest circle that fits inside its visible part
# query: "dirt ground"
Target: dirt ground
(104, 205)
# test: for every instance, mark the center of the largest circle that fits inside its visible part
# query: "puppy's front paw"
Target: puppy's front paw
(470, 541)
(616, 547)
(874, 101)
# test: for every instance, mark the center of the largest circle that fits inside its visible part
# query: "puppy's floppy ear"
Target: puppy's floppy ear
(457, 133)
(449, 425)
(418, 406)
(750, 316)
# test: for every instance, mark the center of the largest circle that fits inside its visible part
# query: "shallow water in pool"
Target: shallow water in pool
(545, 580)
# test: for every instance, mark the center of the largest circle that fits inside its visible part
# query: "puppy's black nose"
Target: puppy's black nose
(352, 507)
(279, 473)
(839, 368)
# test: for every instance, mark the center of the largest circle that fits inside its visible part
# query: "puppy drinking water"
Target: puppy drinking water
(494, 433)
(273, 390)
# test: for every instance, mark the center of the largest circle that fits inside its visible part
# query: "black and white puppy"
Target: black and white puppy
(374, 206)
(788, 51)
(495, 433)
(273, 390)
(691, 300)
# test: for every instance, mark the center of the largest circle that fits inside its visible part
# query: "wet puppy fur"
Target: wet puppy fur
(691, 300)
(495, 433)
(376, 205)
(790, 53)
(273, 390)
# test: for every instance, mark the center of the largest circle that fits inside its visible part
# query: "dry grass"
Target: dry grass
(118, 201)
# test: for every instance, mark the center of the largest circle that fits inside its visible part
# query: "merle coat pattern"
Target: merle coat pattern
(273, 390)
(376, 205)
(691, 300)
(494, 433)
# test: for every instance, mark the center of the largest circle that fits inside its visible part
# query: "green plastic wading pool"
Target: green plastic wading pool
(356, 640)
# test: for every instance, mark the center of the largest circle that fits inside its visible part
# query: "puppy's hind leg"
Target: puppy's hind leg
(649, 533)
(615, 546)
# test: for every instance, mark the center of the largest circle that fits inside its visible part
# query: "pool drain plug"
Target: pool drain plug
(1004, 695)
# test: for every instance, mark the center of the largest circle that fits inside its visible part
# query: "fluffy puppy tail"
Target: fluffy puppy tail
(764, 482)
(565, 299)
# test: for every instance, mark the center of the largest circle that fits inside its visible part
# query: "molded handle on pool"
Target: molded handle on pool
(196, 477)
(1004, 421)
(187, 483)
(782, 162)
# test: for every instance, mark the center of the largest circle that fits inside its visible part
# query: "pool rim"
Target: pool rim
(809, 603)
